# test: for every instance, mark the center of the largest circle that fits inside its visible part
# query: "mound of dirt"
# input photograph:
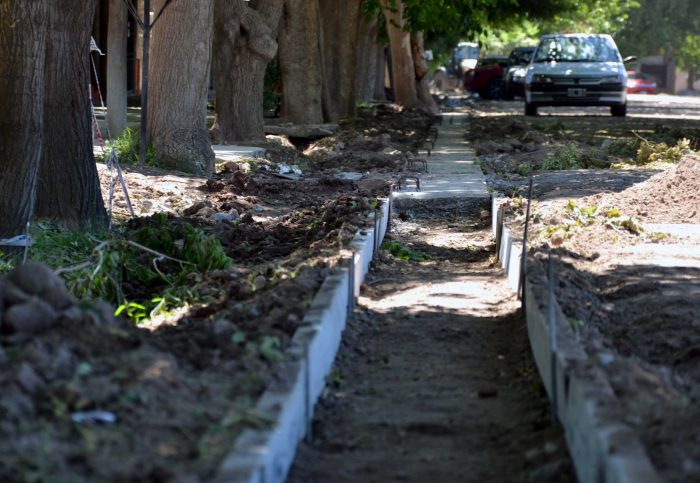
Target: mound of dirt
(672, 196)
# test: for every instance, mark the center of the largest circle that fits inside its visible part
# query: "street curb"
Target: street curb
(265, 456)
(603, 449)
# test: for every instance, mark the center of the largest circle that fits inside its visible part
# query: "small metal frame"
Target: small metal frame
(406, 178)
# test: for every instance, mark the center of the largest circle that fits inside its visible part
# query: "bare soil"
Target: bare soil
(631, 291)
(435, 380)
(85, 396)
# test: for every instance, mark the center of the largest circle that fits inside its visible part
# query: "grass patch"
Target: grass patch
(127, 147)
(403, 253)
(149, 267)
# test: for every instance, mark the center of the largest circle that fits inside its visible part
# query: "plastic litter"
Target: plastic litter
(94, 417)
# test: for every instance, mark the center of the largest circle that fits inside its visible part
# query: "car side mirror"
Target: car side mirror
(631, 58)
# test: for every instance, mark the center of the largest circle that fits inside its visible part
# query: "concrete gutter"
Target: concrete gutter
(265, 456)
(603, 449)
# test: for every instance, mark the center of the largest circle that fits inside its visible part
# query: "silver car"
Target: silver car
(576, 70)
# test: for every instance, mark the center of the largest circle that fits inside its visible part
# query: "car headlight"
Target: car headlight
(611, 79)
(542, 79)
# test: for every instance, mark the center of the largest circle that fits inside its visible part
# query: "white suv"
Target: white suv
(576, 70)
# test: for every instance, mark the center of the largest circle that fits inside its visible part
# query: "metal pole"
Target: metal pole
(552, 323)
(523, 255)
(351, 284)
(143, 140)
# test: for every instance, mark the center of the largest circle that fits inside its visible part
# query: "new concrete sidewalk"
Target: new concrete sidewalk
(452, 168)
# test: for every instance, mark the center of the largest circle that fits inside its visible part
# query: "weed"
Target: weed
(145, 276)
(127, 147)
(650, 152)
(405, 254)
(626, 148)
(570, 157)
(582, 216)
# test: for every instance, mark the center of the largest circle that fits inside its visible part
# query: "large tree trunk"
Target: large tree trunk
(116, 67)
(245, 42)
(403, 72)
(370, 63)
(180, 62)
(23, 27)
(340, 30)
(690, 82)
(300, 61)
(420, 65)
(69, 189)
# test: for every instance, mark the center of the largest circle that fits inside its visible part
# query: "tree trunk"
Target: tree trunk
(691, 78)
(403, 72)
(180, 62)
(245, 36)
(420, 65)
(69, 189)
(116, 67)
(23, 27)
(300, 61)
(340, 31)
(370, 63)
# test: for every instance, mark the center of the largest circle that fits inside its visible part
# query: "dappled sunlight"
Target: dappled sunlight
(467, 295)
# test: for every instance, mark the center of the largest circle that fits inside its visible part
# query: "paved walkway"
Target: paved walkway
(452, 168)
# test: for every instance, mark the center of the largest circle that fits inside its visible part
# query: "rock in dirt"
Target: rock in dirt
(37, 279)
(225, 217)
(29, 317)
(196, 207)
(28, 379)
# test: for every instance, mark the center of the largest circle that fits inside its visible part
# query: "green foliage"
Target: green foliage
(7, 263)
(569, 157)
(660, 152)
(272, 86)
(582, 215)
(143, 276)
(592, 16)
(659, 28)
(127, 148)
(184, 242)
(405, 254)
(626, 148)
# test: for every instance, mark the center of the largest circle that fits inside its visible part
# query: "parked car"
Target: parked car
(486, 78)
(514, 78)
(576, 70)
(640, 83)
(464, 58)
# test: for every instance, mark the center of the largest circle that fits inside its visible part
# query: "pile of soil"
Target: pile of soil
(634, 297)
(671, 196)
(85, 396)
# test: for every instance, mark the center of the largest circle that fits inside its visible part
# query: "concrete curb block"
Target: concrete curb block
(265, 456)
(603, 449)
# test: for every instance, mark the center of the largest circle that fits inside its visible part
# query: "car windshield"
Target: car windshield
(576, 49)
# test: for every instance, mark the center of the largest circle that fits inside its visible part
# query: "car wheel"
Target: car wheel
(619, 111)
(506, 95)
(530, 110)
(495, 88)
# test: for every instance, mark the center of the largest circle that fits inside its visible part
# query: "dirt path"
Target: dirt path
(434, 380)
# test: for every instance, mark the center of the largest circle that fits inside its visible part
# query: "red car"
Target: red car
(640, 83)
(486, 78)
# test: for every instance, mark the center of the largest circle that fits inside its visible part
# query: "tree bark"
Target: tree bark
(69, 189)
(180, 62)
(691, 79)
(23, 27)
(116, 67)
(245, 42)
(300, 60)
(340, 31)
(420, 65)
(370, 63)
(403, 72)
